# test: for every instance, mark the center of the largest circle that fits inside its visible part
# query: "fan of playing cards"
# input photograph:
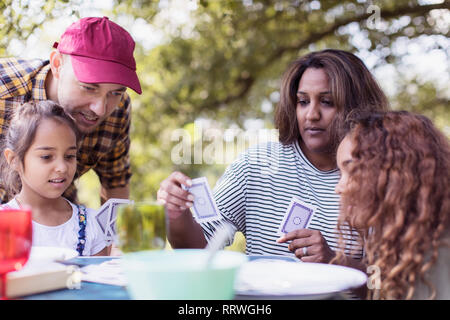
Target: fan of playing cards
(106, 217)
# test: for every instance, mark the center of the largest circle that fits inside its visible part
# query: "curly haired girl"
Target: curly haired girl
(395, 190)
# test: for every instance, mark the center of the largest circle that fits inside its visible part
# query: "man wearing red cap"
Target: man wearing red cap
(88, 75)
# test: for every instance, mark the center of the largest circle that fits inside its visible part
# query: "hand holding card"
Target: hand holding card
(308, 245)
(204, 208)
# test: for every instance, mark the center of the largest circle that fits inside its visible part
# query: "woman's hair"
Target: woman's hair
(352, 87)
(398, 197)
(20, 136)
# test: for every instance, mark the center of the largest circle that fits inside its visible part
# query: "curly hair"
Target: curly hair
(400, 199)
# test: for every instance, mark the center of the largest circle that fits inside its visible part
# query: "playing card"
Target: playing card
(111, 231)
(204, 208)
(106, 217)
(102, 216)
(298, 216)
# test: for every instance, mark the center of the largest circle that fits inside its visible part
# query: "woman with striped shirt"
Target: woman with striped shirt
(318, 91)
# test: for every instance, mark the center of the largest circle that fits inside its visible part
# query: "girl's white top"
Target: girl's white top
(66, 234)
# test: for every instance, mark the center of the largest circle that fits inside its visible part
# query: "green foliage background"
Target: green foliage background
(228, 59)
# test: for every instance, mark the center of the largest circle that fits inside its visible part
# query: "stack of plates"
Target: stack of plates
(283, 278)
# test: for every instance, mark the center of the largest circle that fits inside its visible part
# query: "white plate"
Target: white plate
(272, 277)
(52, 253)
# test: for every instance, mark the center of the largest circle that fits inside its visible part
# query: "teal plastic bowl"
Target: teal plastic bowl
(181, 274)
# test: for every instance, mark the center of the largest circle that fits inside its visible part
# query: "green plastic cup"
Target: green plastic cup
(141, 226)
(181, 274)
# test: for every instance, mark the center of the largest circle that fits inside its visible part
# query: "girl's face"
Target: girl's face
(345, 186)
(344, 161)
(315, 112)
(51, 161)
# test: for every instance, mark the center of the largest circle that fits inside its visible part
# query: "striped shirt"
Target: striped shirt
(106, 149)
(255, 192)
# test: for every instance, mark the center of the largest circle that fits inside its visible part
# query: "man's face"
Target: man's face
(88, 103)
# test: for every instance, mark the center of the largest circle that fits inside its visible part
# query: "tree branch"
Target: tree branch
(316, 36)
(389, 14)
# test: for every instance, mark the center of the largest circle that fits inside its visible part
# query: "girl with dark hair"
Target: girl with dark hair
(38, 163)
(395, 191)
(317, 92)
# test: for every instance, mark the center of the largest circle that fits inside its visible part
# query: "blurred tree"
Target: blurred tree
(229, 61)
(225, 63)
(20, 18)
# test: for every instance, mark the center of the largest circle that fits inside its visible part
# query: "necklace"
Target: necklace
(305, 183)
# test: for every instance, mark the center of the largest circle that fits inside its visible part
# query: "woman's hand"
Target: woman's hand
(184, 231)
(175, 199)
(308, 245)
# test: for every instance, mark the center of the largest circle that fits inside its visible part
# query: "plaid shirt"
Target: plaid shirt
(105, 150)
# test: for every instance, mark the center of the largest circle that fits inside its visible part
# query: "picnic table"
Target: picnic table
(101, 291)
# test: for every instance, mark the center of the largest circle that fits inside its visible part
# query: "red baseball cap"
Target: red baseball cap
(101, 52)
